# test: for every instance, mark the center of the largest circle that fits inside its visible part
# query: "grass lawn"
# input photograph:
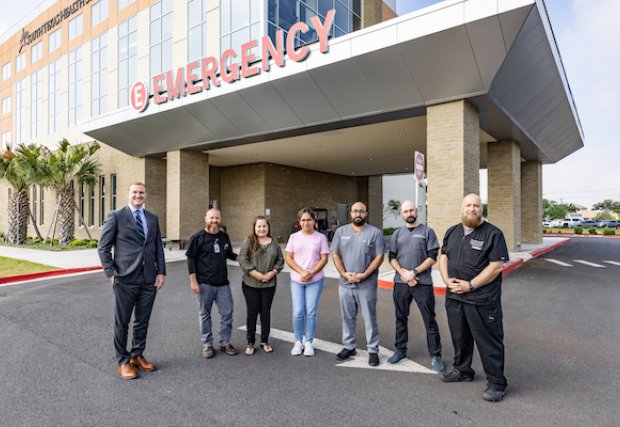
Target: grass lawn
(11, 267)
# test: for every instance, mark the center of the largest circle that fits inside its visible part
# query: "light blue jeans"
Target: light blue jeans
(305, 298)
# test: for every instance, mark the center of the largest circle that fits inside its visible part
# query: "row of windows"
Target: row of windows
(99, 13)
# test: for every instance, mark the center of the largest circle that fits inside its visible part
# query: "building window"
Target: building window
(53, 105)
(99, 65)
(240, 24)
(20, 62)
(160, 16)
(284, 13)
(36, 104)
(127, 58)
(6, 71)
(41, 205)
(6, 105)
(113, 191)
(6, 138)
(101, 199)
(35, 204)
(82, 202)
(36, 53)
(54, 41)
(20, 111)
(124, 3)
(76, 27)
(75, 86)
(99, 12)
(197, 29)
(91, 206)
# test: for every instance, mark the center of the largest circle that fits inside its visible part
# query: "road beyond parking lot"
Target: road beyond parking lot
(57, 364)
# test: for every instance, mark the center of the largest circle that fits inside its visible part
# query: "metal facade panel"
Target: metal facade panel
(486, 41)
(234, 107)
(272, 108)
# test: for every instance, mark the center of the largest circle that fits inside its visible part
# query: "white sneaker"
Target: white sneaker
(308, 349)
(298, 348)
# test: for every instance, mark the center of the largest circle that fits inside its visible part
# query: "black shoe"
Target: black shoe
(493, 395)
(455, 376)
(373, 359)
(345, 354)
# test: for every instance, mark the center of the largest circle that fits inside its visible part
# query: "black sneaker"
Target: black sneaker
(491, 394)
(345, 354)
(373, 359)
(455, 376)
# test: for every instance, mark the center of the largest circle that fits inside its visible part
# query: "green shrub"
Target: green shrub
(592, 230)
(388, 231)
(609, 232)
(36, 240)
(578, 230)
(78, 242)
(92, 244)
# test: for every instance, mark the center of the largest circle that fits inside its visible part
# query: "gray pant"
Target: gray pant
(364, 298)
(222, 297)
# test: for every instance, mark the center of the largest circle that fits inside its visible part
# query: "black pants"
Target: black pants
(258, 301)
(483, 325)
(128, 298)
(425, 299)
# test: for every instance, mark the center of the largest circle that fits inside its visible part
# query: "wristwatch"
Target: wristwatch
(416, 272)
(471, 287)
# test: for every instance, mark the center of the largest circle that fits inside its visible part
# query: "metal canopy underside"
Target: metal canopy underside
(501, 56)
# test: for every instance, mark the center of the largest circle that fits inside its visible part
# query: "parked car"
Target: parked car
(589, 223)
(547, 223)
(609, 223)
(570, 223)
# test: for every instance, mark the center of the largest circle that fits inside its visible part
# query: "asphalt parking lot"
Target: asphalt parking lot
(58, 369)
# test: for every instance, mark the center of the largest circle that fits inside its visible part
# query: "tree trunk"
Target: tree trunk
(66, 215)
(18, 213)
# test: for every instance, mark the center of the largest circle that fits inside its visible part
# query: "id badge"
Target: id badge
(216, 247)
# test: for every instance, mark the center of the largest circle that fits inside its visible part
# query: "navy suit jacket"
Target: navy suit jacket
(131, 254)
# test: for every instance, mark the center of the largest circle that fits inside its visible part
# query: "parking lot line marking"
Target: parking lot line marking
(555, 261)
(360, 360)
(613, 262)
(588, 263)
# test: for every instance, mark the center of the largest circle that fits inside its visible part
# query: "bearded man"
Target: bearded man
(206, 254)
(471, 262)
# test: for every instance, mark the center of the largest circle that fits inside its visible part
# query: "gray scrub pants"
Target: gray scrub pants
(223, 300)
(352, 299)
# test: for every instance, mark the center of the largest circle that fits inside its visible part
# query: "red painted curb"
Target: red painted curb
(439, 291)
(43, 274)
(542, 251)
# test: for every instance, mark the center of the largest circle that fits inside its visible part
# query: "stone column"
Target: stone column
(187, 192)
(453, 161)
(375, 201)
(531, 202)
(504, 166)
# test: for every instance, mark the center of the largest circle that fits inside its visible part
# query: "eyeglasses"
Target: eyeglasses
(358, 211)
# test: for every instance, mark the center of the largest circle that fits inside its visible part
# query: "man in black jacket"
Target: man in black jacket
(206, 254)
(137, 271)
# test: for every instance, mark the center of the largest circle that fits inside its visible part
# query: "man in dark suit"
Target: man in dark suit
(137, 271)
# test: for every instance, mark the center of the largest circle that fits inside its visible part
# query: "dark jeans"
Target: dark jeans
(258, 301)
(425, 299)
(483, 325)
(128, 298)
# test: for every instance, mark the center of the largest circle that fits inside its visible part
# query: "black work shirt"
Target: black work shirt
(206, 257)
(469, 255)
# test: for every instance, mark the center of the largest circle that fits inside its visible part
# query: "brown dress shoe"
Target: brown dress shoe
(126, 371)
(142, 363)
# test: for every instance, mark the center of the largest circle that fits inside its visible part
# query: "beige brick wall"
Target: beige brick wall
(375, 201)
(155, 180)
(187, 192)
(504, 166)
(531, 202)
(372, 13)
(453, 161)
(291, 189)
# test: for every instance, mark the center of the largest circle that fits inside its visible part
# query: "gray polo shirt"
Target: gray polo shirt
(357, 250)
(411, 247)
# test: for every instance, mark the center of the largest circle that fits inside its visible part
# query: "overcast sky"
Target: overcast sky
(587, 33)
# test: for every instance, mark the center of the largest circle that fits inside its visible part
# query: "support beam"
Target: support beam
(531, 202)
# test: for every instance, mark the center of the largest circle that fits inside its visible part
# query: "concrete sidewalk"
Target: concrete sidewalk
(88, 258)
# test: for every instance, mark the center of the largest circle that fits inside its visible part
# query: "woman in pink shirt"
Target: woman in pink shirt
(306, 254)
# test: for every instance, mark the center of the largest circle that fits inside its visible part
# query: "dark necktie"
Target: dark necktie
(140, 224)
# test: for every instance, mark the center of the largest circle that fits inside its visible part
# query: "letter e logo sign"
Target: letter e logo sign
(139, 96)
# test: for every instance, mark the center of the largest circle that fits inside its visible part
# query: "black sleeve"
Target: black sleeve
(229, 253)
(191, 254)
(433, 253)
(392, 255)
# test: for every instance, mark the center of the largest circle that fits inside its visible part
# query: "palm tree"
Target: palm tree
(21, 169)
(64, 166)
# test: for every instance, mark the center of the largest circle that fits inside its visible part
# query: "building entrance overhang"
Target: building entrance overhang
(367, 97)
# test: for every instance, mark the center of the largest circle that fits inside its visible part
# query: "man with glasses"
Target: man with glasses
(357, 250)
